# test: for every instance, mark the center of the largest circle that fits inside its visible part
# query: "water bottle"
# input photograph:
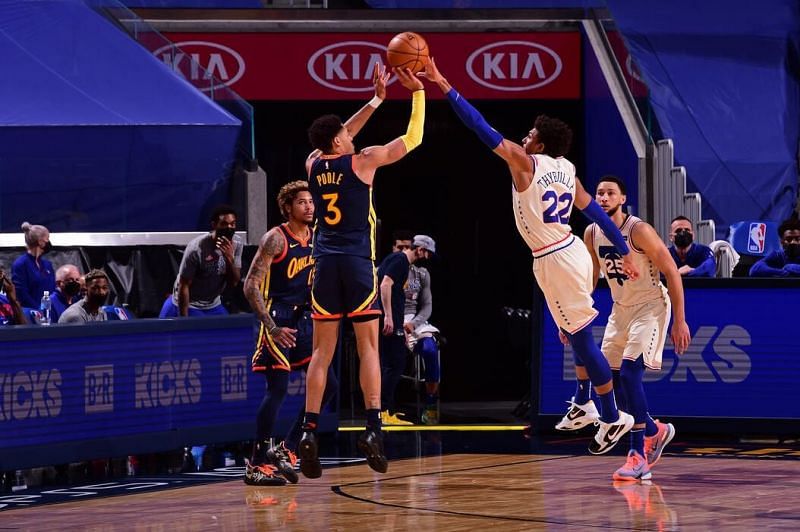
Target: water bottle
(44, 308)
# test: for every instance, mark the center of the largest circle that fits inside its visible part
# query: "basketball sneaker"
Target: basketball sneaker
(578, 416)
(609, 433)
(430, 416)
(309, 456)
(393, 419)
(284, 460)
(654, 445)
(261, 475)
(635, 468)
(371, 444)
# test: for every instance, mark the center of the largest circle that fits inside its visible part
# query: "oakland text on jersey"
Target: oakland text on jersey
(297, 265)
(555, 177)
(329, 178)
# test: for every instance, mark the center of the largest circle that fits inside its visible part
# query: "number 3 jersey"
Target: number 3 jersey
(346, 219)
(625, 292)
(542, 210)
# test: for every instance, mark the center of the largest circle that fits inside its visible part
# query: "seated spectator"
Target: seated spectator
(11, 312)
(692, 259)
(784, 262)
(210, 263)
(68, 288)
(31, 273)
(90, 308)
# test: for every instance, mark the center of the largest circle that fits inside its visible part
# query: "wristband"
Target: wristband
(375, 102)
(271, 331)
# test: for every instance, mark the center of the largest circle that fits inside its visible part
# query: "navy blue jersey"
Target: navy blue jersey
(396, 266)
(346, 219)
(288, 278)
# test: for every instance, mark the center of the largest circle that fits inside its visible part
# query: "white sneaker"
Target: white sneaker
(609, 433)
(578, 416)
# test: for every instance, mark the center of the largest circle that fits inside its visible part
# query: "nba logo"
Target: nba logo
(756, 237)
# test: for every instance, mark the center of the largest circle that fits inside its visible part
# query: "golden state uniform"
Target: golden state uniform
(286, 288)
(640, 316)
(345, 282)
(562, 264)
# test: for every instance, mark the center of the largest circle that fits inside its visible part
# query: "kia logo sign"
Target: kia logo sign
(513, 65)
(346, 66)
(200, 61)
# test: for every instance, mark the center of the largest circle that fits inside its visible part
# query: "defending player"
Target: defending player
(345, 283)
(545, 188)
(278, 287)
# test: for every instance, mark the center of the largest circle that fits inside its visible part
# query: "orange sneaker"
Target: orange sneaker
(654, 445)
(635, 468)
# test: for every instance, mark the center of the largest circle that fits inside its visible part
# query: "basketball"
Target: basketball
(408, 50)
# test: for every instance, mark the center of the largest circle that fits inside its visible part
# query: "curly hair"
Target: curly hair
(322, 132)
(287, 195)
(554, 134)
(792, 224)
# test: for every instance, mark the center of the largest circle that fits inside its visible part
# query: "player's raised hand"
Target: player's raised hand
(379, 79)
(629, 267)
(431, 72)
(407, 79)
(680, 337)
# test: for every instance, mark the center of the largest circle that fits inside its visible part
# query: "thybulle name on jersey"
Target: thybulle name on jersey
(554, 177)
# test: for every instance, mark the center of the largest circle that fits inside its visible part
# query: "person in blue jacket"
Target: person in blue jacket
(32, 274)
(786, 261)
(691, 258)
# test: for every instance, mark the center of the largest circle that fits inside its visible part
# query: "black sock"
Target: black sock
(311, 422)
(374, 419)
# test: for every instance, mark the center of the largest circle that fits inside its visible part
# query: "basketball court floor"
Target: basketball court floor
(452, 480)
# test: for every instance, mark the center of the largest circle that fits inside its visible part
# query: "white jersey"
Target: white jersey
(542, 210)
(625, 292)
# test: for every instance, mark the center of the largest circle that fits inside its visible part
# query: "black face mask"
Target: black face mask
(71, 288)
(792, 251)
(226, 232)
(96, 299)
(48, 247)
(683, 239)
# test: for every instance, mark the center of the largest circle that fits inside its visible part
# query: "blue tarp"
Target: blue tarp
(96, 134)
(724, 81)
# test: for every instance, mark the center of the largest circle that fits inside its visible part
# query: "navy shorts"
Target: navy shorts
(344, 285)
(269, 356)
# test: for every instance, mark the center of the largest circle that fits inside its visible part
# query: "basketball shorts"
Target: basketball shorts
(637, 330)
(269, 356)
(564, 273)
(344, 285)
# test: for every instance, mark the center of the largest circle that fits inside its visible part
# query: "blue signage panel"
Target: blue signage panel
(743, 362)
(80, 383)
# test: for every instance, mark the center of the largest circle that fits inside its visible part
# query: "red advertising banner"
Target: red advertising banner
(337, 66)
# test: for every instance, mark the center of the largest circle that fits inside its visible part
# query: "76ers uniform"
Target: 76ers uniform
(286, 290)
(562, 264)
(345, 282)
(640, 315)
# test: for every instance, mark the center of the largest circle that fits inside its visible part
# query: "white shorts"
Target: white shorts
(637, 330)
(565, 276)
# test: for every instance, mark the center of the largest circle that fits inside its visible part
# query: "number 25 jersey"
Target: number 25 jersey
(346, 219)
(542, 210)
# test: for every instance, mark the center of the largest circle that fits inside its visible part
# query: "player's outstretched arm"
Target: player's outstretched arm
(644, 237)
(373, 157)
(595, 213)
(357, 121)
(588, 239)
(272, 245)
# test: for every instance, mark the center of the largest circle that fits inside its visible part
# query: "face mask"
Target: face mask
(226, 232)
(47, 248)
(71, 288)
(792, 251)
(683, 239)
(96, 299)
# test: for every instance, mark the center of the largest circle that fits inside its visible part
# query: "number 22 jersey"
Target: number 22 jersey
(542, 210)
(346, 218)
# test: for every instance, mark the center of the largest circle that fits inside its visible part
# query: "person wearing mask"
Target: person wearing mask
(68, 288)
(691, 258)
(32, 274)
(786, 261)
(90, 308)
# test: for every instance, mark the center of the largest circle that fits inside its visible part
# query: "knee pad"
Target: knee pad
(590, 356)
(428, 349)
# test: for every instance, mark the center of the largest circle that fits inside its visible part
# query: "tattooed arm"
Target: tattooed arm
(270, 246)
